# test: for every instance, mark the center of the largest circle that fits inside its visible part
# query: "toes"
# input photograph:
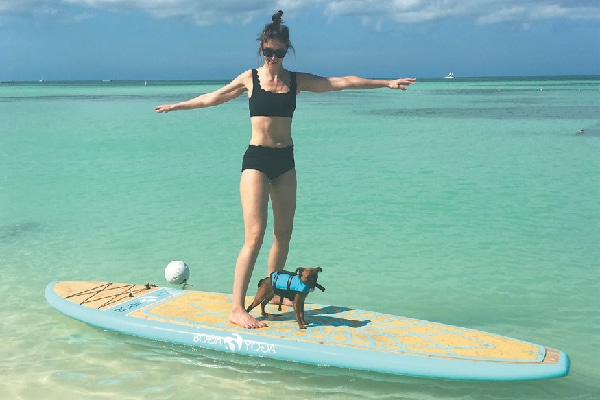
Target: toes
(247, 321)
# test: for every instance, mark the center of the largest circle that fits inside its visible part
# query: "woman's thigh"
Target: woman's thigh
(283, 199)
(254, 194)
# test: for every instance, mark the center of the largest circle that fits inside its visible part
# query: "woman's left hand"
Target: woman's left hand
(401, 83)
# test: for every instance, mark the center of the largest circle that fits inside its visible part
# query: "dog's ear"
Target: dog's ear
(319, 269)
(299, 271)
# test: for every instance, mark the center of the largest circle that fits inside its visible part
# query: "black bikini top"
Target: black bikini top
(270, 104)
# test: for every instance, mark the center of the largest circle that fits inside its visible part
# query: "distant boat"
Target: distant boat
(450, 75)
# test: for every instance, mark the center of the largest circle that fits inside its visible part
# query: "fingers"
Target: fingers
(405, 81)
(165, 108)
(402, 83)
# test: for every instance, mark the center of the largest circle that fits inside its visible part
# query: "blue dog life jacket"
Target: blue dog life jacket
(288, 282)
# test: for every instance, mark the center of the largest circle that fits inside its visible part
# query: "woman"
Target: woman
(268, 168)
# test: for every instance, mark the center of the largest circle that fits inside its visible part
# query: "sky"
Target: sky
(206, 40)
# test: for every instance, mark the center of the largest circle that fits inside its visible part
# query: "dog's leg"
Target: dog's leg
(299, 309)
(264, 287)
(266, 301)
(254, 304)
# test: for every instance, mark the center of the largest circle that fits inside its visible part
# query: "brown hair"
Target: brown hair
(275, 30)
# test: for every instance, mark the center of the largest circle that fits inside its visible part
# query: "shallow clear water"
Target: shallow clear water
(468, 202)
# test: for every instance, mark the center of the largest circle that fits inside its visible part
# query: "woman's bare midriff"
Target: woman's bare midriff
(271, 131)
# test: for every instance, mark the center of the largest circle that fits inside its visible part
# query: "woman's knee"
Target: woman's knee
(283, 235)
(254, 240)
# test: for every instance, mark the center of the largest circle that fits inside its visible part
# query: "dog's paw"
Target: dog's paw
(303, 325)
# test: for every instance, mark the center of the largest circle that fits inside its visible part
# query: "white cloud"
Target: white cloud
(372, 12)
(502, 15)
(53, 9)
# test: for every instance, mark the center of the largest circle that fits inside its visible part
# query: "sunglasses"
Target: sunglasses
(279, 53)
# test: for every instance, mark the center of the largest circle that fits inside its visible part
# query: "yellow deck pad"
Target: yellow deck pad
(336, 336)
(342, 326)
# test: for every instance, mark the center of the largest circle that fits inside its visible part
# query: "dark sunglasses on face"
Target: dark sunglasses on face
(279, 53)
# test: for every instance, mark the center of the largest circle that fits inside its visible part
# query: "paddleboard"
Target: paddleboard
(337, 336)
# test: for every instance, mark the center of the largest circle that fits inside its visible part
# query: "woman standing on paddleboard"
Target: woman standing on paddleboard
(268, 168)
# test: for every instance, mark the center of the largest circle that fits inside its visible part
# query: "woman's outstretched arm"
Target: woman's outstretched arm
(228, 92)
(314, 83)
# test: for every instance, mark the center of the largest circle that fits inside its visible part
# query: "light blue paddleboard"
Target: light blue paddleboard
(338, 336)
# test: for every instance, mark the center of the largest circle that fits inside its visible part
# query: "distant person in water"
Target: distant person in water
(268, 168)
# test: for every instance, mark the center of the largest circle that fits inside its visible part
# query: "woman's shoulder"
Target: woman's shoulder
(306, 76)
(246, 74)
(309, 82)
(244, 78)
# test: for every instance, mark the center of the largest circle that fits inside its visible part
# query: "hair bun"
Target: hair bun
(275, 30)
(276, 18)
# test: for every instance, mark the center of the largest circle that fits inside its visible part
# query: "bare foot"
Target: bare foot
(286, 301)
(245, 320)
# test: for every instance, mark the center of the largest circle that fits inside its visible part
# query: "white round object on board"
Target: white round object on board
(177, 272)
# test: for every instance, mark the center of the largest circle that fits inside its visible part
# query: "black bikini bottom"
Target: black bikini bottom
(272, 161)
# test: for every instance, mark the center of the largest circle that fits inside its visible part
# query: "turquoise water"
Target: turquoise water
(471, 202)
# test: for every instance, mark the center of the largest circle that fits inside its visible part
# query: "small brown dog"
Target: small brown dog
(294, 286)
